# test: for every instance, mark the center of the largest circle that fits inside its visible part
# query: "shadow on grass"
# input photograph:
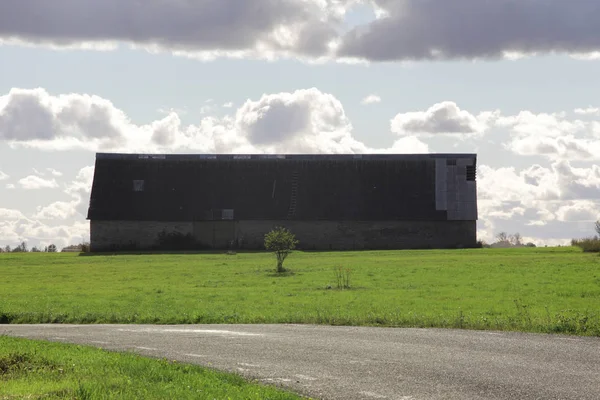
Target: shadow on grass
(284, 274)
(163, 252)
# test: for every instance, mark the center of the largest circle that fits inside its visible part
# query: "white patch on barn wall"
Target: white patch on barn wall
(453, 192)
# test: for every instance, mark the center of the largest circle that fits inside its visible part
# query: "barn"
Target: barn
(337, 202)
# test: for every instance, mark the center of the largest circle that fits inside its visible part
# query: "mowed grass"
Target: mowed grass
(36, 370)
(554, 290)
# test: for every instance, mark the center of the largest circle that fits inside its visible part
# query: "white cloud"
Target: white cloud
(10, 186)
(80, 188)
(546, 204)
(35, 182)
(56, 210)
(3, 176)
(551, 135)
(54, 172)
(301, 121)
(579, 211)
(587, 111)
(61, 222)
(441, 118)
(37, 233)
(228, 105)
(305, 121)
(551, 125)
(371, 99)
(10, 215)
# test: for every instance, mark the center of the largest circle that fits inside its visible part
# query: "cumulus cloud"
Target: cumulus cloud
(207, 28)
(3, 176)
(441, 118)
(61, 222)
(371, 99)
(7, 214)
(546, 203)
(579, 211)
(304, 121)
(56, 210)
(587, 111)
(32, 182)
(551, 135)
(307, 121)
(474, 29)
(21, 228)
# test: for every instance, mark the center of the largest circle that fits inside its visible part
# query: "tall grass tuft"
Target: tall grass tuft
(588, 245)
(342, 277)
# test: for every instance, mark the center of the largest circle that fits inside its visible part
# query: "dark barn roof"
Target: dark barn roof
(255, 187)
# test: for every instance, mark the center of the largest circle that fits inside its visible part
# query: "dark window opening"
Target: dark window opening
(471, 173)
(451, 162)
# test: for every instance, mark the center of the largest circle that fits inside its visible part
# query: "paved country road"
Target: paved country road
(363, 363)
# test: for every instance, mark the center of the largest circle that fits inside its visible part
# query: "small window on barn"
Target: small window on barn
(138, 185)
(227, 214)
(471, 173)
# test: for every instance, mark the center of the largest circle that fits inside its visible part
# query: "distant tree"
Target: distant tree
(35, 250)
(598, 227)
(530, 244)
(52, 248)
(21, 248)
(7, 249)
(515, 239)
(502, 237)
(281, 242)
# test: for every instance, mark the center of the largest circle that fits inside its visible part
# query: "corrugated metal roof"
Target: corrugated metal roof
(303, 187)
(293, 157)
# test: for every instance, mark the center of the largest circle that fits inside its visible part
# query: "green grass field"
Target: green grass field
(554, 290)
(35, 370)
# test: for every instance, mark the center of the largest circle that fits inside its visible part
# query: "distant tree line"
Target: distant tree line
(590, 244)
(504, 239)
(22, 248)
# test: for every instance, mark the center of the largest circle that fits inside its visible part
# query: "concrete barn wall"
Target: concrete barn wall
(117, 235)
(313, 235)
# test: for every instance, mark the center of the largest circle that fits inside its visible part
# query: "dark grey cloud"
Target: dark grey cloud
(26, 117)
(186, 25)
(471, 29)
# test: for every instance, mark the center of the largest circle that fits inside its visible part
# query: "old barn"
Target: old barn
(143, 202)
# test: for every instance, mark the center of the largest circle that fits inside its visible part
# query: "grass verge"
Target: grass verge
(43, 370)
(551, 290)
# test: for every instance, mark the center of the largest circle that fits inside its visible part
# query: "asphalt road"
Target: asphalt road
(363, 363)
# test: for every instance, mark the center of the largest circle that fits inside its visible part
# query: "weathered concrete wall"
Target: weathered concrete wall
(326, 235)
(313, 235)
(129, 235)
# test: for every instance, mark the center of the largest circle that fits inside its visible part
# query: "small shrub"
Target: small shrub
(281, 242)
(342, 277)
(588, 245)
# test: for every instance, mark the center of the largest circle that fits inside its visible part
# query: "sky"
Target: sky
(515, 81)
